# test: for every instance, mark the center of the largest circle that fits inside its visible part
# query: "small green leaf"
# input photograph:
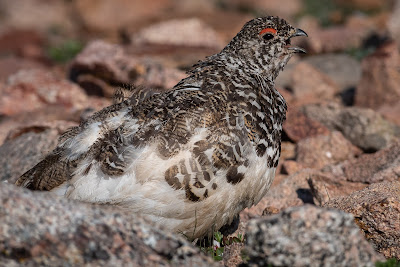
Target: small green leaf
(218, 258)
(218, 237)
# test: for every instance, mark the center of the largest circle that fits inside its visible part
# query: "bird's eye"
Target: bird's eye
(268, 33)
(268, 36)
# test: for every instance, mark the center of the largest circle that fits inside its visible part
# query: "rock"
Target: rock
(159, 77)
(94, 86)
(291, 191)
(380, 78)
(47, 115)
(326, 114)
(192, 7)
(39, 15)
(233, 255)
(291, 167)
(179, 33)
(325, 188)
(38, 88)
(363, 127)
(298, 126)
(307, 236)
(284, 79)
(286, 8)
(101, 66)
(311, 85)
(365, 5)
(172, 42)
(347, 32)
(318, 151)
(391, 112)
(20, 42)
(394, 23)
(26, 146)
(43, 116)
(383, 165)
(369, 25)
(11, 65)
(367, 129)
(341, 68)
(41, 229)
(333, 39)
(377, 212)
(111, 17)
(288, 150)
(108, 62)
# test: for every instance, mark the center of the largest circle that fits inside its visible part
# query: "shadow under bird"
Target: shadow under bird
(191, 158)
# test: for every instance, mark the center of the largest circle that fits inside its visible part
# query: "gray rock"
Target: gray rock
(377, 212)
(342, 68)
(308, 236)
(40, 229)
(233, 255)
(363, 127)
(26, 146)
(325, 114)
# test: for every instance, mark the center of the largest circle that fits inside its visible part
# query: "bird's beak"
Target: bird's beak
(296, 49)
(299, 32)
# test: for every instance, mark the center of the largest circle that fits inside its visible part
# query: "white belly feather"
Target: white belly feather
(143, 189)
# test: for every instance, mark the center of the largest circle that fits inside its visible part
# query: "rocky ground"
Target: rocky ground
(336, 198)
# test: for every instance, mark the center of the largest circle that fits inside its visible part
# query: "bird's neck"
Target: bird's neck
(247, 63)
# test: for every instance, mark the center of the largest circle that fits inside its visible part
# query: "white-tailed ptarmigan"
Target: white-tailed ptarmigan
(191, 158)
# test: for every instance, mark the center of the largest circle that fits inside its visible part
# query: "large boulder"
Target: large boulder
(40, 229)
(376, 210)
(363, 127)
(308, 236)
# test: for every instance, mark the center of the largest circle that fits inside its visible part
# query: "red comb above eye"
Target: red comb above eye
(268, 30)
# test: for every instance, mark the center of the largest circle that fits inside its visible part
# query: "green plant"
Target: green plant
(329, 12)
(320, 9)
(215, 247)
(359, 53)
(65, 51)
(393, 262)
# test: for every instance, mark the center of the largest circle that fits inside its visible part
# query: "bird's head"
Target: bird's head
(265, 43)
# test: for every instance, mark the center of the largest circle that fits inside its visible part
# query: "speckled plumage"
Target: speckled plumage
(193, 157)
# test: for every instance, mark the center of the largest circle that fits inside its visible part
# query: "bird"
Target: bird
(191, 158)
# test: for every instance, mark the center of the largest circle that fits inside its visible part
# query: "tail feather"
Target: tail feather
(47, 174)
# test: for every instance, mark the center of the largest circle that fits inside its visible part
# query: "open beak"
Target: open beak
(296, 49)
(299, 32)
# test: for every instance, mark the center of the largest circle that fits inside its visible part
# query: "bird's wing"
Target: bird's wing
(76, 143)
(186, 120)
(47, 174)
